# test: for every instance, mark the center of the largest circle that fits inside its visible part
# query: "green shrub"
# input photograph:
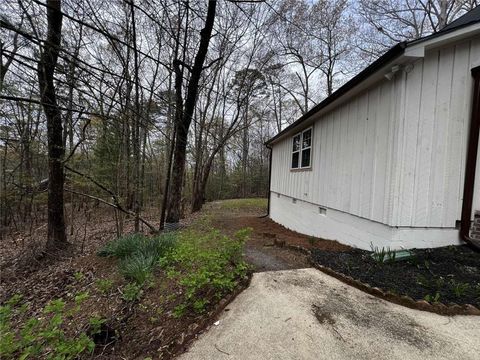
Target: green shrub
(81, 297)
(135, 244)
(179, 310)
(382, 255)
(432, 298)
(79, 276)
(459, 288)
(96, 324)
(158, 246)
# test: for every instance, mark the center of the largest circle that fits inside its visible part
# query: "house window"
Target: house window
(302, 149)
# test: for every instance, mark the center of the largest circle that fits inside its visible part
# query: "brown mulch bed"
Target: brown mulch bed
(450, 275)
(453, 272)
(266, 232)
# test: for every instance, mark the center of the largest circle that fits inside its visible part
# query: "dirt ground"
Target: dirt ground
(21, 263)
(21, 270)
(149, 326)
(265, 249)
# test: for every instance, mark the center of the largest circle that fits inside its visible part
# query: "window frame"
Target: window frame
(301, 149)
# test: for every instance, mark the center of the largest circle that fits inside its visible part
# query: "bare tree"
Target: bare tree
(152, 91)
(56, 238)
(185, 115)
(392, 21)
(334, 29)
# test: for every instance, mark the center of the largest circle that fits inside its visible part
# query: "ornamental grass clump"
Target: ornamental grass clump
(138, 255)
(138, 267)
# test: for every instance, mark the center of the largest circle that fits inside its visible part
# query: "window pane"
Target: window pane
(295, 157)
(296, 143)
(307, 138)
(306, 158)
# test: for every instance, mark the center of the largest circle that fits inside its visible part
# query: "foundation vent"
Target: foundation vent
(322, 211)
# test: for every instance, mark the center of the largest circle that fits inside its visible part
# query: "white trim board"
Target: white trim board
(309, 219)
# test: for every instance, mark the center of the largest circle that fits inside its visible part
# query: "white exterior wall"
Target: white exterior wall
(433, 135)
(352, 154)
(393, 156)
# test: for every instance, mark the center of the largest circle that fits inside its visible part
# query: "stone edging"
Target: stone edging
(404, 300)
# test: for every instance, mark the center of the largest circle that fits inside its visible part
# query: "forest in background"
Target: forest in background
(166, 104)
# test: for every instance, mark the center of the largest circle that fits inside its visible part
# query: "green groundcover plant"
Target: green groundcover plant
(203, 261)
(44, 336)
(207, 264)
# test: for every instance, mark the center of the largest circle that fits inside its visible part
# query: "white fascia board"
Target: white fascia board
(417, 50)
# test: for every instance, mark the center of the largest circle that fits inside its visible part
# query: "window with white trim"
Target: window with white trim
(302, 149)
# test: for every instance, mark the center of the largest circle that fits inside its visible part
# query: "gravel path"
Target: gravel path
(273, 259)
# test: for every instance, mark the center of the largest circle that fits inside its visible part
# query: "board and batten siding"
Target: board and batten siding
(434, 131)
(394, 154)
(352, 155)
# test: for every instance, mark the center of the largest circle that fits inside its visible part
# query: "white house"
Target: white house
(389, 159)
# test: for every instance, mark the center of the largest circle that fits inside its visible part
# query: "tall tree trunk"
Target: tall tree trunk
(167, 182)
(198, 197)
(245, 146)
(136, 127)
(4, 204)
(182, 127)
(46, 68)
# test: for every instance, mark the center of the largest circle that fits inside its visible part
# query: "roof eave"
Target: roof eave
(414, 48)
(390, 55)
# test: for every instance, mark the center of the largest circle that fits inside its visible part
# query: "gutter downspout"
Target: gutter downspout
(269, 181)
(471, 164)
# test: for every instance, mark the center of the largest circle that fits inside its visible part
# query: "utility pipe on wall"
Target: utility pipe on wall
(471, 164)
